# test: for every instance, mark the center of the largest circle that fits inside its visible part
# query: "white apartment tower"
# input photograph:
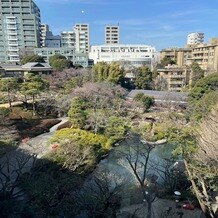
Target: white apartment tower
(82, 37)
(195, 38)
(68, 39)
(112, 34)
(19, 28)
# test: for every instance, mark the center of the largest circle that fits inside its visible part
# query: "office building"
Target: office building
(195, 38)
(48, 39)
(134, 55)
(77, 58)
(112, 34)
(19, 28)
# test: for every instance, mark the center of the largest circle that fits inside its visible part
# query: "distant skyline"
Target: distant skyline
(160, 23)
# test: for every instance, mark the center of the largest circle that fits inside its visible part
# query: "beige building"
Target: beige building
(176, 78)
(180, 55)
(206, 55)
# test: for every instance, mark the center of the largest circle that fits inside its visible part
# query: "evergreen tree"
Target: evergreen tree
(143, 78)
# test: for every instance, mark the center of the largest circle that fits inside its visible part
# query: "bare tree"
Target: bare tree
(12, 167)
(101, 194)
(202, 169)
(138, 156)
(104, 100)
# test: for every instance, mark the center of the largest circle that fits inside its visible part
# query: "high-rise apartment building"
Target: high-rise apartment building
(112, 34)
(68, 39)
(82, 37)
(77, 38)
(48, 40)
(19, 28)
(195, 38)
(45, 33)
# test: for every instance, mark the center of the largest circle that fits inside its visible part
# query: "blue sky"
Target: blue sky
(161, 23)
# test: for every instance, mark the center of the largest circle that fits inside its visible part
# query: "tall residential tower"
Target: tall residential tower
(112, 34)
(195, 38)
(82, 37)
(19, 28)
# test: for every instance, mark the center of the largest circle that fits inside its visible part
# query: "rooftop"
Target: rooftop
(162, 96)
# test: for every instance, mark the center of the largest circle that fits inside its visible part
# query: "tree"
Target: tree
(143, 78)
(8, 85)
(116, 128)
(4, 113)
(138, 157)
(146, 101)
(116, 73)
(197, 73)
(202, 166)
(78, 149)
(103, 100)
(161, 84)
(77, 112)
(108, 72)
(101, 195)
(33, 85)
(59, 62)
(201, 108)
(32, 58)
(12, 167)
(203, 96)
(167, 61)
(204, 86)
(69, 79)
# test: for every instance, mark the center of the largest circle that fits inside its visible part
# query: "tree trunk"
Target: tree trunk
(195, 188)
(34, 109)
(149, 204)
(9, 99)
(25, 103)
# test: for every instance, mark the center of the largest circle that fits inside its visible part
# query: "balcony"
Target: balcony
(176, 76)
(198, 57)
(12, 33)
(11, 21)
(12, 44)
(14, 27)
(176, 89)
(198, 52)
(179, 82)
(13, 55)
(12, 38)
(13, 49)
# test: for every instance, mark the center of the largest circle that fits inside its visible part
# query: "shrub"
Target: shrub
(4, 112)
(78, 149)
